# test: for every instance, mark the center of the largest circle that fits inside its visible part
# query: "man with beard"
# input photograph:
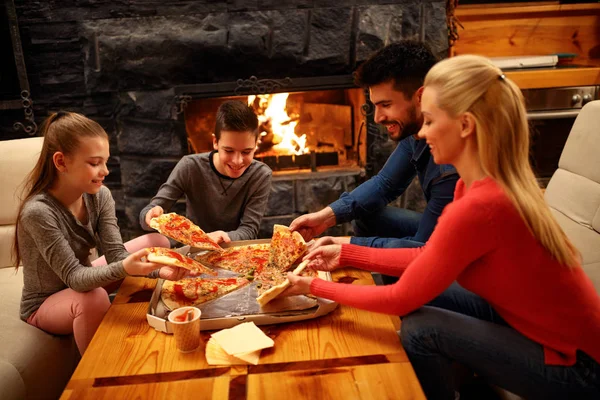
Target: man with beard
(394, 76)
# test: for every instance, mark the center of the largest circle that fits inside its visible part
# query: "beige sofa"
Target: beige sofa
(573, 194)
(33, 364)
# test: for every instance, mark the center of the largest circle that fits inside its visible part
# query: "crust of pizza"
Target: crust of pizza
(286, 247)
(164, 256)
(196, 291)
(275, 291)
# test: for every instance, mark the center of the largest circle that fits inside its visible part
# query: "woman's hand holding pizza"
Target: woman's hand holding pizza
(299, 285)
(219, 237)
(153, 212)
(136, 265)
(324, 258)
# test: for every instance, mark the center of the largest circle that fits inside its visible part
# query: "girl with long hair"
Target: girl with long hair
(498, 288)
(66, 212)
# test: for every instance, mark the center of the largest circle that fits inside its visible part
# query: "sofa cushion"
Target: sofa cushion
(7, 233)
(13, 387)
(45, 362)
(582, 147)
(575, 196)
(18, 157)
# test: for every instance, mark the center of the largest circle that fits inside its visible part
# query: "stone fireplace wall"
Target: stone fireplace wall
(122, 63)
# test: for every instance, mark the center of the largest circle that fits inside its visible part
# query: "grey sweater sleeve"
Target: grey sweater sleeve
(57, 255)
(255, 207)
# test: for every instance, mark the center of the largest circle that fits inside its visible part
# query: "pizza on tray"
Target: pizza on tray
(183, 230)
(257, 262)
(197, 291)
(286, 247)
(246, 260)
(164, 256)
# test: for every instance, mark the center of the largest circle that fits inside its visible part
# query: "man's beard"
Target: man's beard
(412, 127)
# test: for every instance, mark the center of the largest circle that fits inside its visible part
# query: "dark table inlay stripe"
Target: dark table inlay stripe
(237, 387)
(160, 377)
(142, 296)
(318, 364)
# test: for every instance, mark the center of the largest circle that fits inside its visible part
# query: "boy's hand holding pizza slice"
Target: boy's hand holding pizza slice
(179, 228)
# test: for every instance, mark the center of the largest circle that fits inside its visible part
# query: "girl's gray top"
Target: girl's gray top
(55, 247)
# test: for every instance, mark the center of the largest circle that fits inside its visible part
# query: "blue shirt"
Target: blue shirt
(411, 157)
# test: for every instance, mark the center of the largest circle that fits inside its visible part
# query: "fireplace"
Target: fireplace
(149, 72)
(312, 133)
(315, 130)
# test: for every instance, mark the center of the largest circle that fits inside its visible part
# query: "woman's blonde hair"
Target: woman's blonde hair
(62, 132)
(473, 84)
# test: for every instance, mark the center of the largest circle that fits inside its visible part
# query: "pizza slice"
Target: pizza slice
(268, 294)
(268, 278)
(183, 230)
(286, 247)
(197, 291)
(162, 255)
(247, 260)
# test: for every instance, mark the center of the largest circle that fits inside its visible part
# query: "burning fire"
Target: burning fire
(272, 110)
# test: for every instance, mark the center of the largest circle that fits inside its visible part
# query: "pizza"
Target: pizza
(286, 247)
(272, 290)
(266, 264)
(268, 278)
(162, 255)
(196, 291)
(246, 260)
(179, 228)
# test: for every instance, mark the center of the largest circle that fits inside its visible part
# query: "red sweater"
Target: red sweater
(482, 243)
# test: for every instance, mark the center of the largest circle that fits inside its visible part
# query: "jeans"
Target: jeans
(461, 327)
(389, 227)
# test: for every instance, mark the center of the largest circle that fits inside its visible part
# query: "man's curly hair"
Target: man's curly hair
(405, 63)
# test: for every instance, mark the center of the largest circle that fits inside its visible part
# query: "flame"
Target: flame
(282, 126)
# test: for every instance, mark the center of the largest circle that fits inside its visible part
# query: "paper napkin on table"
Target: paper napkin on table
(215, 355)
(240, 344)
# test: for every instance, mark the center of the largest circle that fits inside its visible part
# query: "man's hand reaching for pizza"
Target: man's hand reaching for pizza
(324, 258)
(325, 240)
(311, 225)
(219, 237)
(153, 212)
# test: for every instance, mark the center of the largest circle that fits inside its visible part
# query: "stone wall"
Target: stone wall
(121, 62)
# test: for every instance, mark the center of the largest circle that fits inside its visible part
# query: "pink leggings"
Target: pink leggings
(68, 311)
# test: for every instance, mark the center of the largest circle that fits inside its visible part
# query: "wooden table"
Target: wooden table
(347, 354)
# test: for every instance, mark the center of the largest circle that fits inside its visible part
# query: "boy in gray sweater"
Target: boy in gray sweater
(226, 190)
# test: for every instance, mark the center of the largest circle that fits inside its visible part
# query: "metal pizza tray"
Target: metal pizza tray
(240, 305)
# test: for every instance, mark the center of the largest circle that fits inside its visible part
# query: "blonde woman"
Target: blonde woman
(523, 315)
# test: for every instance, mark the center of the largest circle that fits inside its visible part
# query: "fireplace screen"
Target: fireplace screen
(298, 130)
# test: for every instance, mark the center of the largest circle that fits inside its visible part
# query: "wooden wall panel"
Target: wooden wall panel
(530, 29)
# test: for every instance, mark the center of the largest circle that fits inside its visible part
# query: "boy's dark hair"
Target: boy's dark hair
(235, 115)
(406, 63)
